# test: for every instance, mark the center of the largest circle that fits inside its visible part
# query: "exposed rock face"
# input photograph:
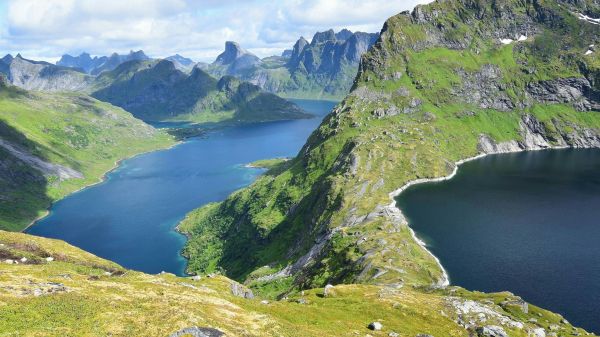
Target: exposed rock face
(241, 291)
(484, 89)
(236, 59)
(566, 90)
(34, 75)
(47, 168)
(328, 50)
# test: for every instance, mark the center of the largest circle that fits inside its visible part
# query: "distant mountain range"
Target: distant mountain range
(156, 90)
(96, 65)
(322, 68)
(152, 90)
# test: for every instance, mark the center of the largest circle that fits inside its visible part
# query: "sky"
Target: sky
(46, 29)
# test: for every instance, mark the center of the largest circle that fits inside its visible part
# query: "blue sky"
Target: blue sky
(46, 29)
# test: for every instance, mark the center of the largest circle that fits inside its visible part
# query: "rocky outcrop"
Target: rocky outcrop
(197, 332)
(484, 89)
(47, 168)
(34, 75)
(241, 291)
(575, 90)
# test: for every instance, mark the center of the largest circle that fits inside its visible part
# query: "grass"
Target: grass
(72, 130)
(83, 295)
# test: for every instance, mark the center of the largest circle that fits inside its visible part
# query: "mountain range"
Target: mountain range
(154, 90)
(323, 68)
(96, 65)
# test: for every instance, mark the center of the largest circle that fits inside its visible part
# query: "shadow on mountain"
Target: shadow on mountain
(22, 188)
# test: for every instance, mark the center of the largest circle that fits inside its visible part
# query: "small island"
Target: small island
(267, 163)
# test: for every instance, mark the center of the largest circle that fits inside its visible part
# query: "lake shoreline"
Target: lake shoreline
(395, 211)
(100, 180)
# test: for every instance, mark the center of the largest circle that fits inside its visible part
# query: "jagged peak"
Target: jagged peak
(7, 58)
(320, 37)
(343, 34)
(233, 51)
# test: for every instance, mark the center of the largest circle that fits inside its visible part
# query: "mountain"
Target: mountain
(323, 68)
(96, 65)
(234, 60)
(448, 81)
(84, 61)
(37, 75)
(182, 63)
(157, 90)
(54, 144)
(79, 294)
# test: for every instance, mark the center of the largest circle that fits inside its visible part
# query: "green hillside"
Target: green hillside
(442, 84)
(54, 144)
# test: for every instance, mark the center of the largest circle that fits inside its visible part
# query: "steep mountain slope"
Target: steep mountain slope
(49, 288)
(451, 80)
(156, 90)
(98, 64)
(54, 144)
(324, 68)
(36, 75)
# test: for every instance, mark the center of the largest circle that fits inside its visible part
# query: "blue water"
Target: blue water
(528, 223)
(129, 218)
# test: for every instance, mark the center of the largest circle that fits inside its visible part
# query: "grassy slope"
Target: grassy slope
(332, 191)
(82, 295)
(72, 130)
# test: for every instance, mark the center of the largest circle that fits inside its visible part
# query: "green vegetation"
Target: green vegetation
(436, 89)
(157, 91)
(268, 163)
(78, 294)
(70, 133)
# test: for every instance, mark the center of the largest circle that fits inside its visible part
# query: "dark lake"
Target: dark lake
(129, 218)
(525, 222)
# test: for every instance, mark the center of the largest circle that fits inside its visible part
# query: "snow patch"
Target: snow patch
(506, 41)
(587, 19)
(522, 38)
(589, 52)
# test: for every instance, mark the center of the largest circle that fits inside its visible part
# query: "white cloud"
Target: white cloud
(198, 29)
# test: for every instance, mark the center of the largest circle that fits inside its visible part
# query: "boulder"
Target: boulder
(197, 332)
(491, 331)
(375, 326)
(241, 291)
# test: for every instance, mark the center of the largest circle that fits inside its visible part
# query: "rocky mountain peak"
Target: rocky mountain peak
(7, 58)
(343, 34)
(180, 59)
(321, 37)
(232, 52)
